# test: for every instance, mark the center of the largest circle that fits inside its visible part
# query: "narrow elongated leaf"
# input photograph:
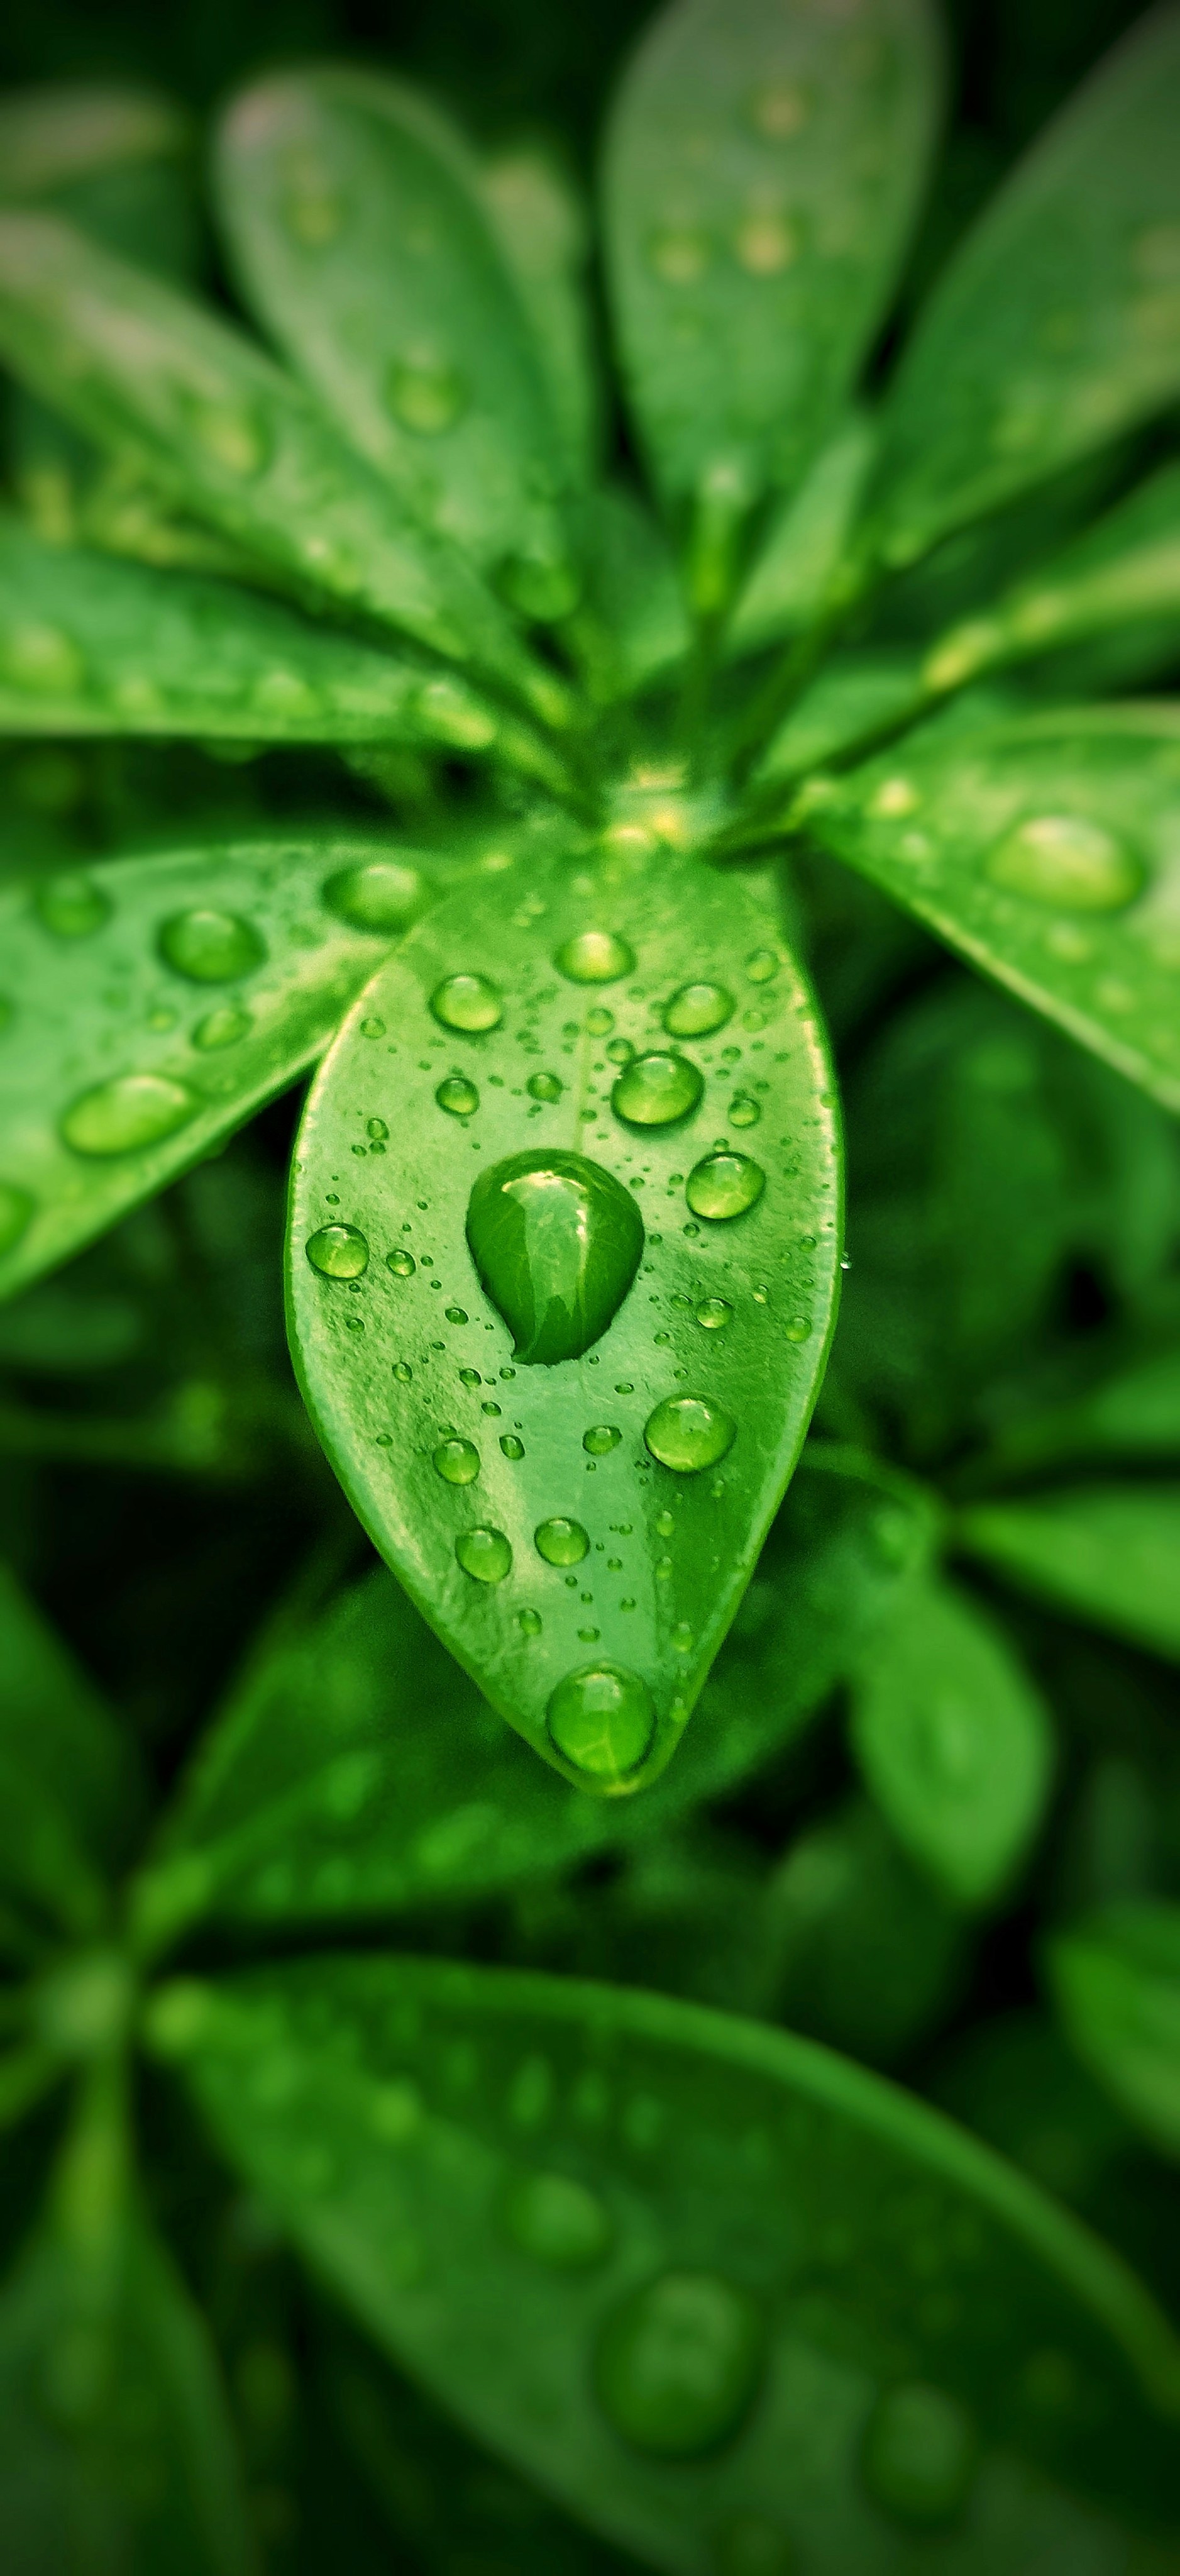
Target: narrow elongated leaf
(1124, 570)
(355, 221)
(856, 695)
(612, 1159)
(762, 170)
(793, 572)
(69, 1791)
(1106, 1553)
(220, 427)
(634, 591)
(1057, 325)
(1116, 1979)
(152, 1004)
(1134, 1413)
(544, 235)
(953, 1741)
(1044, 850)
(357, 1770)
(52, 137)
(684, 2242)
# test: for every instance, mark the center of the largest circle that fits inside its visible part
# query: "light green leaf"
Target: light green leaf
(805, 544)
(70, 1794)
(218, 425)
(953, 1741)
(763, 167)
(645, 1301)
(1057, 325)
(1044, 850)
(646, 2250)
(633, 591)
(855, 696)
(1116, 1980)
(1108, 1554)
(150, 1005)
(355, 221)
(1123, 571)
(52, 137)
(544, 235)
(357, 1770)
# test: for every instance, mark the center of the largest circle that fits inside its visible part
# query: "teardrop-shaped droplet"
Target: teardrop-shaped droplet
(1067, 861)
(602, 1719)
(471, 1003)
(210, 947)
(16, 1209)
(338, 1251)
(72, 906)
(381, 896)
(595, 957)
(697, 1009)
(457, 1096)
(558, 2221)
(689, 1432)
(221, 1028)
(679, 2364)
(127, 1114)
(426, 395)
(457, 1462)
(601, 1438)
(656, 1089)
(484, 1554)
(561, 1542)
(919, 2454)
(556, 1241)
(724, 1185)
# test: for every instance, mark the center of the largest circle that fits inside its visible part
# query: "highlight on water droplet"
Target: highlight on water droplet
(713, 1313)
(457, 1462)
(558, 2221)
(16, 1210)
(602, 1718)
(657, 1089)
(1068, 861)
(338, 1251)
(545, 1086)
(210, 947)
(458, 1096)
(601, 1438)
(401, 1262)
(919, 2454)
(471, 1003)
(561, 1542)
(222, 1028)
(723, 1186)
(556, 1241)
(484, 1554)
(680, 254)
(130, 1112)
(382, 895)
(688, 1433)
(762, 966)
(426, 394)
(679, 2364)
(595, 957)
(71, 906)
(696, 1010)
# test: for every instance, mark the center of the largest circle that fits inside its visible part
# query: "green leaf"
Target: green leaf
(855, 696)
(805, 544)
(1105, 1553)
(644, 2250)
(69, 1789)
(543, 231)
(115, 2445)
(150, 1005)
(954, 1742)
(92, 646)
(219, 426)
(356, 1770)
(1116, 1980)
(1132, 1413)
(1043, 851)
(1057, 325)
(763, 167)
(634, 592)
(354, 218)
(628, 1304)
(52, 138)
(871, 1958)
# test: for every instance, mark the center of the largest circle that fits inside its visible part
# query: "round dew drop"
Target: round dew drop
(595, 957)
(697, 1009)
(16, 1210)
(458, 1096)
(762, 966)
(679, 2364)
(688, 1433)
(457, 1462)
(510, 1445)
(381, 896)
(724, 1185)
(919, 2455)
(402, 1263)
(1068, 862)
(484, 1554)
(602, 1719)
(657, 1089)
(426, 395)
(210, 947)
(545, 1086)
(338, 1251)
(471, 1003)
(601, 1439)
(126, 1115)
(558, 2221)
(561, 1542)
(713, 1313)
(72, 906)
(744, 1110)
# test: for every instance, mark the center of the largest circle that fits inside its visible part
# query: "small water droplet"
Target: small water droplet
(561, 1542)
(484, 1554)
(529, 1623)
(680, 254)
(602, 1719)
(778, 109)
(458, 1096)
(457, 1462)
(688, 1432)
(426, 395)
(595, 957)
(468, 1002)
(713, 1313)
(401, 1262)
(798, 1329)
(919, 2454)
(222, 1028)
(766, 243)
(380, 896)
(556, 1241)
(600, 1021)
(16, 1210)
(233, 437)
(762, 965)
(545, 1086)
(558, 2221)
(1068, 861)
(656, 1090)
(724, 1186)
(338, 1251)
(41, 660)
(402, 1372)
(620, 1051)
(72, 906)
(458, 1315)
(210, 947)
(697, 1009)
(125, 1115)
(665, 1524)
(601, 1439)
(679, 2364)
(467, 1376)
(744, 1110)
(511, 1446)
(372, 1028)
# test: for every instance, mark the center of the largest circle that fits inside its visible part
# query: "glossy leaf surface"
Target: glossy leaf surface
(953, 1741)
(69, 1791)
(1116, 1979)
(570, 2154)
(762, 169)
(1044, 851)
(1107, 1553)
(355, 221)
(153, 1004)
(532, 1091)
(1055, 326)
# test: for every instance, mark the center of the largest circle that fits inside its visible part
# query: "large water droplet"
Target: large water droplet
(381, 896)
(724, 1185)
(919, 2455)
(42, 660)
(603, 1720)
(426, 395)
(468, 1002)
(601, 1438)
(210, 947)
(687, 1433)
(128, 1113)
(556, 1241)
(752, 2547)
(697, 1009)
(561, 1542)
(338, 1251)
(595, 957)
(16, 1209)
(656, 1089)
(457, 1462)
(221, 1028)
(484, 1554)
(558, 2221)
(679, 2364)
(72, 907)
(457, 1096)
(1067, 861)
